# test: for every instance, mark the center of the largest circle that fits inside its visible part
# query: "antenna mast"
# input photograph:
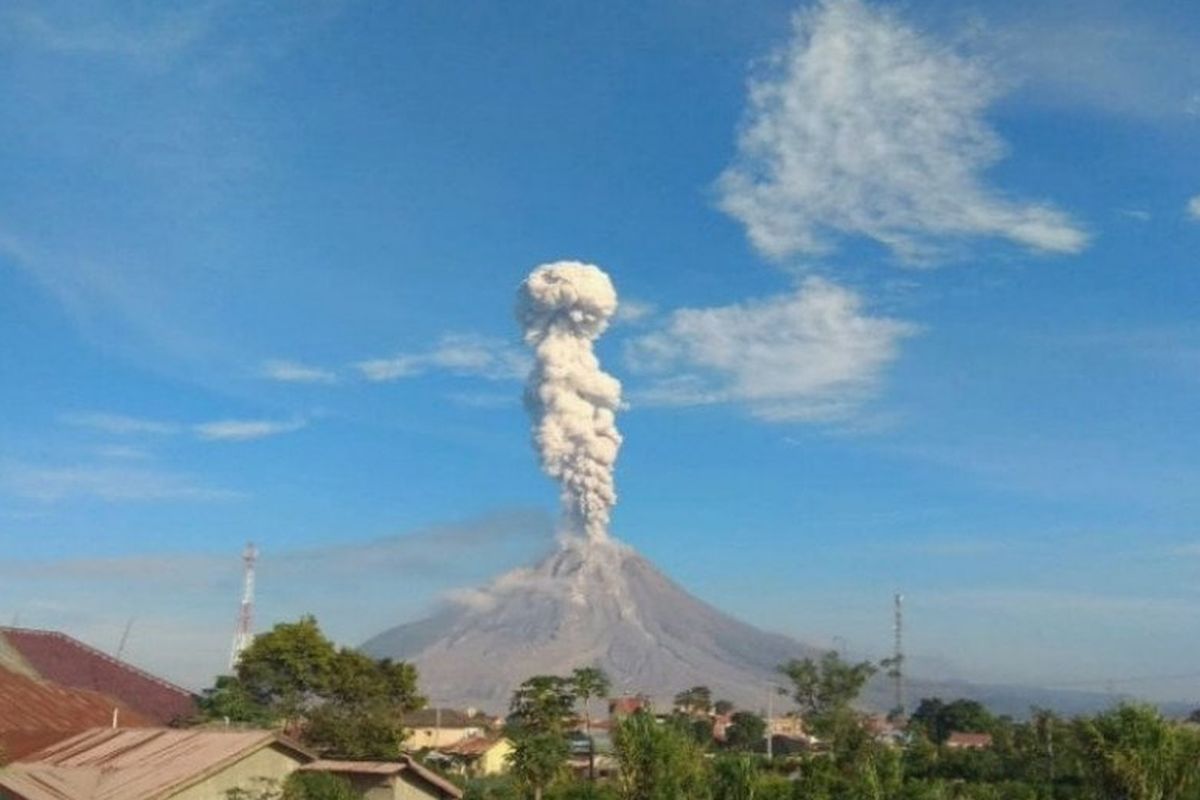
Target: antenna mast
(243, 634)
(897, 666)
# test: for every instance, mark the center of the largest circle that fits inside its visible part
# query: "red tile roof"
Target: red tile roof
(35, 714)
(69, 662)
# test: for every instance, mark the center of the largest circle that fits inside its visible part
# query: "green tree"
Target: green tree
(343, 703)
(722, 707)
(318, 786)
(825, 690)
(746, 731)
(541, 712)
(658, 762)
(1132, 753)
(696, 700)
(538, 759)
(735, 778)
(939, 719)
(587, 683)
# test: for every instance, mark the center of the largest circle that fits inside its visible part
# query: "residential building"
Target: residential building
(436, 728)
(389, 780)
(153, 764)
(479, 756)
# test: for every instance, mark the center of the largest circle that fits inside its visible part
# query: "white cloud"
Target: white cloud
(120, 424)
(240, 430)
(812, 355)
(295, 372)
(863, 126)
(110, 484)
(1193, 207)
(458, 354)
(630, 310)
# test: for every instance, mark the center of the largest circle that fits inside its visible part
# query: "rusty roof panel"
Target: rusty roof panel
(69, 662)
(133, 764)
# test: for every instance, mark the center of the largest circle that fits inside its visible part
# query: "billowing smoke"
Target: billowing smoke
(563, 308)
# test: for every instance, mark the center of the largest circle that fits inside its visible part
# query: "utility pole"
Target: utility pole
(243, 634)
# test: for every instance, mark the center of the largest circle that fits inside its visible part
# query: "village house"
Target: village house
(437, 728)
(479, 756)
(153, 764)
(389, 780)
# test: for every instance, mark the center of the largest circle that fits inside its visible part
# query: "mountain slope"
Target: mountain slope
(588, 603)
(600, 603)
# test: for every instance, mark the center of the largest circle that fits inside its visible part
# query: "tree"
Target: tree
(658, 762)
(722, 707)
(939, 719)
(826, 690)
(1132, 753)
(342, 702)
(745, 732)
(540, 715)
(538, 759)
(696, 700)
(586, 683)
(735, 778)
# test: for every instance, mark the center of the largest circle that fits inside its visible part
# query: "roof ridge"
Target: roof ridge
(4, 629)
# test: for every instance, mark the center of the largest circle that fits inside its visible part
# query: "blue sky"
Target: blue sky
(908, 293)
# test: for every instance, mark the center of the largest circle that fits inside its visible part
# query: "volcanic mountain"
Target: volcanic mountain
(588, 603)
(599, 603)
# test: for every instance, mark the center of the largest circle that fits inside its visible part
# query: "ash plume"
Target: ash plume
(562, 309)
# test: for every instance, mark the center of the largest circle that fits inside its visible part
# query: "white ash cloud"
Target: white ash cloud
(562, 309)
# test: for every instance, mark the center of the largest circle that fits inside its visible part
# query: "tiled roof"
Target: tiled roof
(69, 662)
(135, 764)
(36, 713)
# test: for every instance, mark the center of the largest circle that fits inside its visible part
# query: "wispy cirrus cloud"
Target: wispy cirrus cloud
(811, 355)
(864, 127)
(121, 424)
(52, 484)
(243, 430)
(458, 354)
(215, 430)
(286, 371)
(1193, 208)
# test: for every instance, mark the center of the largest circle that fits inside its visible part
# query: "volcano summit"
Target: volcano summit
(591, 602)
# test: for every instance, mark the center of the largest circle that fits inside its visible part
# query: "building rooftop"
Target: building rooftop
(68, 662)
(387, 769)
(35, 714)
(133, 764)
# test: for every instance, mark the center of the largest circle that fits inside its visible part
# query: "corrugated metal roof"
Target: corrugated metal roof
(69, 662)
(406, 764)
(142, 764)
(36, 713)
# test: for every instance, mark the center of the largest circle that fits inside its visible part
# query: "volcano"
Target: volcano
(589, 603)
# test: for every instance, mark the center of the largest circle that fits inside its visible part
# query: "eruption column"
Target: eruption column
(563, 308)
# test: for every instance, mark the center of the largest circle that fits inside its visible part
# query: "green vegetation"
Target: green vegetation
(338, 701)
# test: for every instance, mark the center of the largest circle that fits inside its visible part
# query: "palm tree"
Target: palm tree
(586, 683)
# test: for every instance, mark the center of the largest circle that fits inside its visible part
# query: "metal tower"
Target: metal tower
(244, 633)
(897, 666)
